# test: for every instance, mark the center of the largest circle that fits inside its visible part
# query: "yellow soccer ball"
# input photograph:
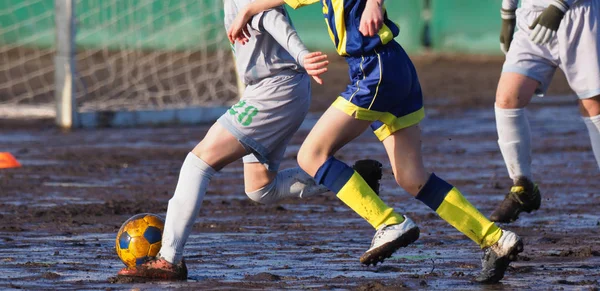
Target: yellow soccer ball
(139, 238)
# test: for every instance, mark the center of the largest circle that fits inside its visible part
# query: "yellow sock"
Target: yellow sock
(455, 209)
(357, 194)
(460, 213)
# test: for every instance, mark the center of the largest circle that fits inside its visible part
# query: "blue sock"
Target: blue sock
(334, 174)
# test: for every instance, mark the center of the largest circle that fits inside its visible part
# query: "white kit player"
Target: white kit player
(551, 34)
(257, 128)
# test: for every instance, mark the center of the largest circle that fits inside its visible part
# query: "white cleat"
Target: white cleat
(388, 239)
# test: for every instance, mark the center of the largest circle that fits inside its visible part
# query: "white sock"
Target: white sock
(288, 183)
(514, 139)
(184, 206)
(593, 126)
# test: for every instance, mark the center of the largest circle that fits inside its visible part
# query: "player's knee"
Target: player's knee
(310, 159)
(211, 153)
(265, 195)
(506, 100)
(410, 181)
(590, 107)
(304, 158)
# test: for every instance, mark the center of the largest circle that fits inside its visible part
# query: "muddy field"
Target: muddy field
(60, 212)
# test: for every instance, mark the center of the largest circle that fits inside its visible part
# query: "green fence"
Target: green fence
(467, 26)
(454, 25)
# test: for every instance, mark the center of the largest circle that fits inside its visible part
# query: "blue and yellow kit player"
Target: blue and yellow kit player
(384, 94)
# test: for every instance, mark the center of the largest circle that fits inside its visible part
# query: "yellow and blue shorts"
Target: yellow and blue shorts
(384, 89)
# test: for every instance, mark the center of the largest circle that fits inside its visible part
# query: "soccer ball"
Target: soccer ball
(139, 238)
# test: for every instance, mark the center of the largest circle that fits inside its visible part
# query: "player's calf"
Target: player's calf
(292, 183)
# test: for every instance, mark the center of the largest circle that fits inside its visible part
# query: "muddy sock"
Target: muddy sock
(353, 190)
(593, 126)
(455, 209)
(514, 139)
(184, 206)
(289, 183)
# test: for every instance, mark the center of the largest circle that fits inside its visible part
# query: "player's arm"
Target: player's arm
(371, 19)
(277, 25)
(238, 30)
(544, 27)
(509, 22)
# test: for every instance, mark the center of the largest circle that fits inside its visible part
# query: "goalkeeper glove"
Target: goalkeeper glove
(544, 27)
(508, 29)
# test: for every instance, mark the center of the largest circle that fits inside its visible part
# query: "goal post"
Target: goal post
(64, 65)
(116, 62)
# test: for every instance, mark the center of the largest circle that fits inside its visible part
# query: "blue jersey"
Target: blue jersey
(343, 21)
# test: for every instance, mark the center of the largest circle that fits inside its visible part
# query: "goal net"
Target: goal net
(130, 54)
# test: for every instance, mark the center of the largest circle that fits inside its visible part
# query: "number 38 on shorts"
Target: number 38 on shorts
(244, 112)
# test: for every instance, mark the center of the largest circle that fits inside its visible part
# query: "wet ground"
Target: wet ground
(60, 212)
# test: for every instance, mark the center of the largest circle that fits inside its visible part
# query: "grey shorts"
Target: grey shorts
(268, 115)
(575, 50)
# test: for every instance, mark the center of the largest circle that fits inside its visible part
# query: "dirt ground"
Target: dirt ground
(60, 212)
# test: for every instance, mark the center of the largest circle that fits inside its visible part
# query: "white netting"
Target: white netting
(131, 54)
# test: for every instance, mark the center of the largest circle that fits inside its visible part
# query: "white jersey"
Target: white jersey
(273, 48)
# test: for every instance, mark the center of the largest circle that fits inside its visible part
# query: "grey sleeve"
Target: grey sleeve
(510, 4)
(276, 23)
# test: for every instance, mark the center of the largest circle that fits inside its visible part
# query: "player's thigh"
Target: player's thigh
(257, 176)
(590, 106)
(219, 147)
(515, 90)
(404, 151)
(333, 130)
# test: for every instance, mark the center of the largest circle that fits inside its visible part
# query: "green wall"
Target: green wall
(467, 26)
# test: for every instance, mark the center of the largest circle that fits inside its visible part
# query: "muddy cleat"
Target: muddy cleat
(496, 258)
(523, 196)
(157, 269)
(370, 170)
(388, 239)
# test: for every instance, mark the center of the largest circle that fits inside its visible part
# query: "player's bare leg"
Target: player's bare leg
(514, 93)
(590, 111)
(333, 130)
(218, 148)
(500, 247)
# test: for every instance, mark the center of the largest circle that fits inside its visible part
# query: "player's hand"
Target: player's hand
(372, 18)
(508, 29)
(544, 27)
(238, 31)
(315, 64)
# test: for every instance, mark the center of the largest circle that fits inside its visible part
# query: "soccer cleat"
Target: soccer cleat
(388, 239)
(371, 172)
(523, 196)
(496, 258)
(157, 269)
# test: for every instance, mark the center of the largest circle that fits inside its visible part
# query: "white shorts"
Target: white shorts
(268, 115)
(575, 50)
